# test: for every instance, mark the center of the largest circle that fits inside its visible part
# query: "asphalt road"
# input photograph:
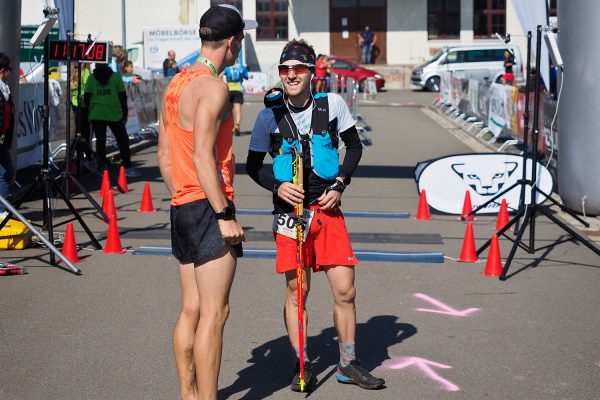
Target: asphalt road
(432, 330)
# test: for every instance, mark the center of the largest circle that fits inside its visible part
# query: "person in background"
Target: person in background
(234, 76)
(509, 61)
(106, 101)
(78, 103)
(128, 75)
(322, 73)
(170, 67)
(7, 125)
(366, 41)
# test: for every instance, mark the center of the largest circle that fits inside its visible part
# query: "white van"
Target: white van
(477, 62)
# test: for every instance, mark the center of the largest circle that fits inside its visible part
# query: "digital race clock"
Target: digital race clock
(95, 52)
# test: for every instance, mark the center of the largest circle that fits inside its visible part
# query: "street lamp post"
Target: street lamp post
(123, 29)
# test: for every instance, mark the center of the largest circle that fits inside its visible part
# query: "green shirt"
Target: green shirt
(104, 103)
(85, 74)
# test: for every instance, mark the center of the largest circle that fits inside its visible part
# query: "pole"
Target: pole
(534, 137)
(298, 167)
(123, 29)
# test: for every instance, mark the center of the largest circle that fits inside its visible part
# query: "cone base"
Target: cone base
(423, 218)
(145, 211)
(468, 219)
(115, 252)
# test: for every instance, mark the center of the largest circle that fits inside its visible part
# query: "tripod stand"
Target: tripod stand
(46, 180)
(530, 211)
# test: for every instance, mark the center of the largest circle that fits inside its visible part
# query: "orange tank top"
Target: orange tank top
(181, 146)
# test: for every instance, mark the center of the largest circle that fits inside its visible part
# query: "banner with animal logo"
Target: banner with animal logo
(447, 179)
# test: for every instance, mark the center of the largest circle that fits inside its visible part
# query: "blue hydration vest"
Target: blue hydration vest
(320, 148)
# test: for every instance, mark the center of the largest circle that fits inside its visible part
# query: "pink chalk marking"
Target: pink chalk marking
(425, 366)
(598, 364)
(444, 309)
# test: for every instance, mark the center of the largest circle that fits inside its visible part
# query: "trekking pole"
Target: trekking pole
(297, 168)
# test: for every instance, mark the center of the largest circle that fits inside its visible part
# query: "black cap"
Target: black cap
(224, 20)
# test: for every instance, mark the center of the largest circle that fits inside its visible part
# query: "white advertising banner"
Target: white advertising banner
(473, 94)
(158, 41)
(446, 180)
(29, 131)
(497, 115)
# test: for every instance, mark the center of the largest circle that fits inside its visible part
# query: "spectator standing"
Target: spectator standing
(106, 100)
(78, 102)
(320, 73)
(509, 60)
(170, 67)
(128, 75)
(235, 76)
(366, 41)
(7, 125)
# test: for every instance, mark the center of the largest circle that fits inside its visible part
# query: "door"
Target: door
(347, 18)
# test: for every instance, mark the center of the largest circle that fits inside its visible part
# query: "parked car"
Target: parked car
(348, 69)
(477, 62)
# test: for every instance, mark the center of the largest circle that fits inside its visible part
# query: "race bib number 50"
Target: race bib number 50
(285, 224)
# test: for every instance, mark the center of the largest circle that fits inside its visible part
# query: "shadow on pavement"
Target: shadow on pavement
(272, 362)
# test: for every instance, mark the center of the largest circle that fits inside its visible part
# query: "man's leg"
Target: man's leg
(185, 332)
(237, 117)
(341, 280)
(213, 279)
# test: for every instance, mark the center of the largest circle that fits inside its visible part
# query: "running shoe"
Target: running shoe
(309, 379)
(356, 374)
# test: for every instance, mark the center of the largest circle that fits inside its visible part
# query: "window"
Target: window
(489, 17)
(236, 3)
(272, 18)
(443, 19)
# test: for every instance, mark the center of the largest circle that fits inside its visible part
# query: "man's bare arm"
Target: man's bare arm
(163, 154)
(211, 105)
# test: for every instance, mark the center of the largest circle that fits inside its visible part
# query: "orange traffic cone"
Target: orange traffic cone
(113, 241)
(467, 207)
(123, 180)
(493, 266)
(423, 210)
(146, 205)
(105, 186)
(502, 216)
(69, 249)
(468, 254)
(108, 205)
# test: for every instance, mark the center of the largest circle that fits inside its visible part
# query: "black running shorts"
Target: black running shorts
(195, 233)
(236, 97)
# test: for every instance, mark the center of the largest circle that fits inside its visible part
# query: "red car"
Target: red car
(349, 69)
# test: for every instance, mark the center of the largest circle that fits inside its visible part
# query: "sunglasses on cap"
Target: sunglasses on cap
(299, 69)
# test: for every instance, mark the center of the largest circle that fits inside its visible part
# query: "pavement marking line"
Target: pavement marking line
(352, 214)
(457, 132)
(362, 255)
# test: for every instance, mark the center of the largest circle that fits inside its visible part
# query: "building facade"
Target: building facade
(408, 31)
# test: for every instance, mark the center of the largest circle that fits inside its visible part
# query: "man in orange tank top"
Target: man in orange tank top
(196, 162)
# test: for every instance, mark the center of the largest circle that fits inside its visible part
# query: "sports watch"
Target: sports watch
(226, 214)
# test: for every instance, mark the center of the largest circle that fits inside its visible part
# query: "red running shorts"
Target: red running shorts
(327, 243)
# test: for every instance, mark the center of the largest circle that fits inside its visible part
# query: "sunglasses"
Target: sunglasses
(299, 69)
